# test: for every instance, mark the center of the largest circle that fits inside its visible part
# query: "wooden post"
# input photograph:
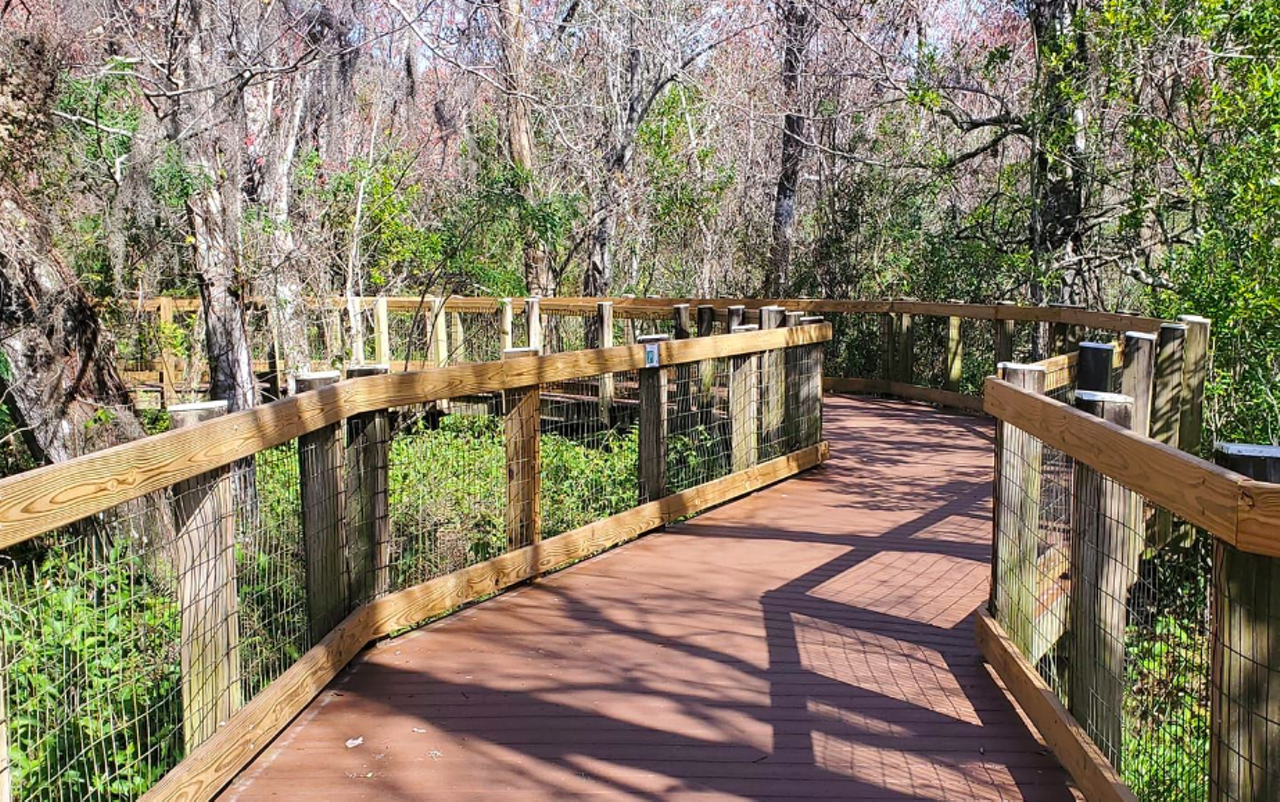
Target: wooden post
(955, 355)
(794, 380)
(604, 319)
(773, 390)
(1138, 375)
(704, 375)
(735, 317)
(1195, 372)
(1093, 367)
(1104, 552)
(381, 331)
(653, 428)
(684, 374)
(522, 420)
(811, 372)
(207, 596)
(1166, 414)
(706, 320)
(439, 334)
(1166, 401)
(1016, 501)
(355, 317)
(1004, 335)
(504, 324)
(629, 332)
(906, 349)
(168, 362)
(367, 506)
(744, 405)
(533, 318)
(457, 339)
(320, 472)
(887, 370)
(1245, 666)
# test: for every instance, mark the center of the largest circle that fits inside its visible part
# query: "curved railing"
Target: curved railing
(933, 352)
(1133, 605)
(170, 604)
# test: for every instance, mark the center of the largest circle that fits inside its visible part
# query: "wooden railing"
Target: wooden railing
(170, 604)
(924, 351)
(1134, 585)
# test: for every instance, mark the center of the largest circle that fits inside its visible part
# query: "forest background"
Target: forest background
(1120, 154)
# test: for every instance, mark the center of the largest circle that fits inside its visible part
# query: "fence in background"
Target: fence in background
(934, 352)
(169, 605)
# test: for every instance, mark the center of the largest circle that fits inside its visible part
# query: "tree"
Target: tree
(58, 373)
(798, 25)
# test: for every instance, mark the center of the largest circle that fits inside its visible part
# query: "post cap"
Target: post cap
(1247, 450)
(199, 406)
(1020, 366)
(1098, 346)
(1097, 396)
(652, 338)
(317, 375)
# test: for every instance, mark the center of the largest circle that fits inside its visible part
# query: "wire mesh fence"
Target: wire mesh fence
(133, 636)
(1117, 626)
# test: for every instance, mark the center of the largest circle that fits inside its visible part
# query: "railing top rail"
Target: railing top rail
(661, 308)
(1233, 508)
(46, 498)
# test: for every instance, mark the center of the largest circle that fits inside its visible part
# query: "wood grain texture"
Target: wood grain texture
(321, 478)
(43, 499)
(1202, 493)
(1078, 754)
(204, 772)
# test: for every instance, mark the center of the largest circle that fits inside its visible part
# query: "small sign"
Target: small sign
(651, 355)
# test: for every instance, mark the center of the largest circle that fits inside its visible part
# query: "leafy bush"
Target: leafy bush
(93, 675)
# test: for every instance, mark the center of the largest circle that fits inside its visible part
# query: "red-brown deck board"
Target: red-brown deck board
(814, 640)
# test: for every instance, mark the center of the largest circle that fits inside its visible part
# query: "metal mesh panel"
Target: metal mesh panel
(1118, 627)
(447, 480)
(589, 450)
(131, 635)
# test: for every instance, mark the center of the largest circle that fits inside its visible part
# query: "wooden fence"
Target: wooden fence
(1134, 593)
(307, 527)
(960, 342)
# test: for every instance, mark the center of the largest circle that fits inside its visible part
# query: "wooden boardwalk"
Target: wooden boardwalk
(814, 640)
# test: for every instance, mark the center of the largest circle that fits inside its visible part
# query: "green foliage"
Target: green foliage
(1166, 742)
(173, 181)
(448, 490)
(93, 683)
(105, 101)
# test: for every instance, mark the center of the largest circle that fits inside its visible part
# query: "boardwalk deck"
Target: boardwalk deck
(812, 641)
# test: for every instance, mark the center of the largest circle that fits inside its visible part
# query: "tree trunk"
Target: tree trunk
(214, 151)
(61, 379)
(277, 136)
(1058, 180)
(797, 30)
(515, 82)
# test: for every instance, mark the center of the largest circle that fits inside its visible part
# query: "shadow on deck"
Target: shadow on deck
(814, 640)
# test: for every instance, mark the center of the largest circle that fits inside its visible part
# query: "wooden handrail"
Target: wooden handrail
(660, 308)
(1233, 508)
(43, 499)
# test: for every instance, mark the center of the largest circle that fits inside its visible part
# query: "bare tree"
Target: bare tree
(798, 24)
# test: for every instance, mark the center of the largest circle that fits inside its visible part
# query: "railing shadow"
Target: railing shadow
(854, 693)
